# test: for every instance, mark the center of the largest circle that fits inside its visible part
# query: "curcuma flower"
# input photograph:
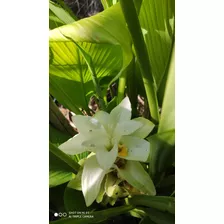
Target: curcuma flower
(113, 138)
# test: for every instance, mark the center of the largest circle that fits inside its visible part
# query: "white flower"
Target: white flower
(110, 136)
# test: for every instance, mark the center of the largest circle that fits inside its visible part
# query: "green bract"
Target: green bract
(112, 137)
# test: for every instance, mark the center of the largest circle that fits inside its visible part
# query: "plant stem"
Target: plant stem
(132, 21)
(98, 91)
(132, 88)
(121, 87)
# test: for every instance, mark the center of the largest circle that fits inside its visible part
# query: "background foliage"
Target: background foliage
(137, 59)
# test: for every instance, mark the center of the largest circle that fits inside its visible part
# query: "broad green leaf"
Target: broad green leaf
(58, 177)
(136, 176)
(161, 152)
(157, 18)
(56, 164)
(72, 83)
(131, 17)
(61, 168)
(159, 217)
(56, 198)
(166, 186)
(105, 38)
(57, 137)
(59, 171)
(168, 181)
(89, 62)
(167, 121)
(146, 220)
(74, 201)
(161, 203)
(138, 4)
(63, 158)
(162, 144)
(97, 216)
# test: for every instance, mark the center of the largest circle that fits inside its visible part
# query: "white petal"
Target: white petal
(138, 149)
(126, 128)
(92, 177)
(74, 145)
(96, 143)
(88, 126)
(122, 112)
(106, 159)
(103, 117)
(134, 174)
(147, 127)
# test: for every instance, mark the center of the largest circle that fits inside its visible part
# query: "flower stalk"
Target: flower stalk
(132, 21)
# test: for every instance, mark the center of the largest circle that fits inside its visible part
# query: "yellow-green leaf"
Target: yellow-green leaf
(105, 38)
(157, 18)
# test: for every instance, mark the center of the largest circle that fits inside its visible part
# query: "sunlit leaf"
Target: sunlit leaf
(105, 38)
(167, 121)
(157, 18)
(58, 177)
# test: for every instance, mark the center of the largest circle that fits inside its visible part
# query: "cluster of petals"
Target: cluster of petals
(109, 137)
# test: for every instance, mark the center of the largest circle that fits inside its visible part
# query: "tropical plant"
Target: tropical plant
(112, 113)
